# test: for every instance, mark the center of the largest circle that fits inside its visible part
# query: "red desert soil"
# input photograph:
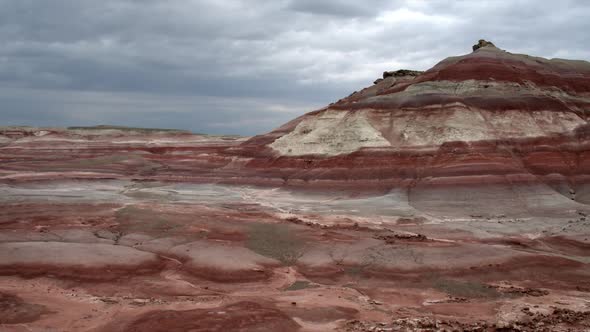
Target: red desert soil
(241, 316)
(451, 199)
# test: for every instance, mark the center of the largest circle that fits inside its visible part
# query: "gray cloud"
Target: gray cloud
(242, 66)
(345, 8)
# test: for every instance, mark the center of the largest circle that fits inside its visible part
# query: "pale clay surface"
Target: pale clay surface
(340, 132)
(330, 133)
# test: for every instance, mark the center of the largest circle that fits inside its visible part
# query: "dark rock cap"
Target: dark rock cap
(482, 43)
(401, 73)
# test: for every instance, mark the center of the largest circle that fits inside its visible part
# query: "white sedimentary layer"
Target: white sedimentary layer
(333, 132)
(341, 132)
(330, 133)
(459, 123)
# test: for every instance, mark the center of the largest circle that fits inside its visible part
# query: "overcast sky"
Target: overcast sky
(243, 66)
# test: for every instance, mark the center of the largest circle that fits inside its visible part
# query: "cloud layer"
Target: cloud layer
(243, 66)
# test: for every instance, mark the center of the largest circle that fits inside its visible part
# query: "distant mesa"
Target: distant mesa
(124, 128)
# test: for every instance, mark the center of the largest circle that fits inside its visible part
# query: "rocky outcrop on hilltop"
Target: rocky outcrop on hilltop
(401, 73)
(482, 43)
(394, 76)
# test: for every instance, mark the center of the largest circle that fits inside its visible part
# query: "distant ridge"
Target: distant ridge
(113, 127)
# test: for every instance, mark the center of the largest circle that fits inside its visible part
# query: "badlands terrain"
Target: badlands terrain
(454, 199)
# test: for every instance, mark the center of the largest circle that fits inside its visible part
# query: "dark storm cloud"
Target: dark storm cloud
(346, 8)
(242, 66)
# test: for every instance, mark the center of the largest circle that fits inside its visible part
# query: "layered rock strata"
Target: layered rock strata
(489, 117)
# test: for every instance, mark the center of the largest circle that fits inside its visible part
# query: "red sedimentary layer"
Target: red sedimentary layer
(80, 272)
(241, 316)
(567, 156)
